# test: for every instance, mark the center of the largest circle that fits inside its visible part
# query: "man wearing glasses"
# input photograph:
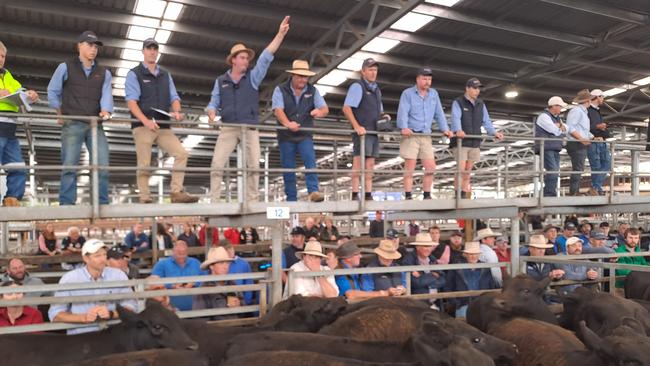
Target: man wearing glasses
(598, 152)
(468, 114)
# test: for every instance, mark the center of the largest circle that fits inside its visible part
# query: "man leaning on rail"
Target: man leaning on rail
(151, 95)
(9, 143)
(81, 87)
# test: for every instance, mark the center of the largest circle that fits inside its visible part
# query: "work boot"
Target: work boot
(146, 200)
(316, 197)
(183, 197)
(10, 202)
(592, 192)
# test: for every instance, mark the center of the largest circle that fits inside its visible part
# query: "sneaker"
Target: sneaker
(146, 200)
(316, 197)
(183, 197)
(10, 202)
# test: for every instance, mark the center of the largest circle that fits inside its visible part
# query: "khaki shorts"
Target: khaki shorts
(416, 147)
(468, 153)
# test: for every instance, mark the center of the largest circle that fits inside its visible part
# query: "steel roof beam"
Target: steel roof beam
(602, 10)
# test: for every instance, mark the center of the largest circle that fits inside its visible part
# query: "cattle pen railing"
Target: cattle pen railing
(140, 293)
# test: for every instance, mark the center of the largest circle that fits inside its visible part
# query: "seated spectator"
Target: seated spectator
(376, 229)
(239, 265)
(386, 256)
(95, 270)
(610, 241)
(502, 250)
(248, 235)
(297, 244)
(456, 246)
(619, 239)
(188, 236)
(310, 260)
(469, 279)
(575, 272)
(312, 231)
(343, 239)
(550, 233)
(164, 240)
(441, 251)
(218, 262)
(136, 240)
(11, 316)
(17, 272)
(537, 248)
(632, 239)
(73, 243)
(179, 265)
(329, 231)
(119, 257)
(487, 238)
(349, 256)
(233, 235)
(560, 242)
(47, 241)
(585, 230)
(169, 228)
(423, 282)
(597, 245)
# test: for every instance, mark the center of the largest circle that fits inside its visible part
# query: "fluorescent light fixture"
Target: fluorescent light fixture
(334, 78)
(119, 86)
(150, 8)
(132, 55)
(511, 94)
(168, 25)
(134, 45)
(140, 33)
(118, 92)
(323, 89)
(122, 71)
(351, 63)
(380, 45)
(119, 80)
(646, 120)
(443, 2)
(644, 81)
(614, 91)
(124, 64)
(173, 11)
(162, 36)
(192, 141)
(411, 22)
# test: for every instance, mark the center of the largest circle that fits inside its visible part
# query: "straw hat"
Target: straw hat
(472, 247)
(312, 248)
(239, 47)
(486, 233)
(539, 241)
(583, 96)
(386, 249)
(216, 255)
(300, 67)
(424, 239)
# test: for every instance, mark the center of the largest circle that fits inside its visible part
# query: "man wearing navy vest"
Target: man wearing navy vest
(363, 107)
(468, 114)
(419, 106)
(150, 94)
(549, 125)
(295, 104)
(235, 97)
(81, 87)
(598, 153)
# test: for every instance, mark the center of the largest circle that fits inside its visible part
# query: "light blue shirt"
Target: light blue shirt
(55, 88)
(132, 86)
(456, 113)
(257, 74)
(81, 275)
(168, 267)
(278, 99)
(417, 112)
(546, 123)
(355, 94)
(578, 121)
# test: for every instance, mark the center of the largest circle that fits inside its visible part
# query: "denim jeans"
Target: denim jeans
(73, 135)
(10, 155)
(599, 160)
(578, 152)
(551, 163)
(288, 150)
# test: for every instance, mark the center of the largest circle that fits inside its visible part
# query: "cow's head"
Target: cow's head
(155, 327)
(524, 296)
(502, 352)
(627, 346)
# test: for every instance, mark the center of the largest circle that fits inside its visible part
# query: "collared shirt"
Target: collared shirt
(257, 74)
(355, 94)
(29, 316)
(488, 255)
(457, 112)
(239, 265)
(347, 282)
(417, 112)
(168, 267)
(28, 280)
(132, 86)
(308, 286)
(546, 123)
(55, 87)
(81, 275)
(578, 121)
(278, 99)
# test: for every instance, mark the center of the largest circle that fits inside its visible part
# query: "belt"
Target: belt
(599, 139)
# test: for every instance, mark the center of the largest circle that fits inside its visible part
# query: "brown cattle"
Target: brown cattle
(157, 357)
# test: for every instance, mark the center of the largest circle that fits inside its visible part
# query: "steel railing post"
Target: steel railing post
(94, 169)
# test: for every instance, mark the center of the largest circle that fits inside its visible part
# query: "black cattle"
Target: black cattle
(627, 345)
(637, 285)
(155, 327)
(157, 357)
(387, 301)
(303, 314)
(601, 311)
(213, 339)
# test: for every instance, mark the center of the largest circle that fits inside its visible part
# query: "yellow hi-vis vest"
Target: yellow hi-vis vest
(8, 82)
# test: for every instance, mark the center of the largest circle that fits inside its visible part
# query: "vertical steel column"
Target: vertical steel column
(32, 178)
(514, 245)
(612, 150)
(536, 184)
(335, 161)
(459, 169)
(4, 238)
(95, 172)
(635, 155)
(154, 240)
(499, 176)
(362, 157)
(161, 165)
(540, 157)
(276, 262)
(505, 179)
(266, 174)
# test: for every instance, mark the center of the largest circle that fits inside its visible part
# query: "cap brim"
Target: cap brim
(387, 255)
(316, 254)
(424, 243)
(207, 264)
(472, 252)
(370, 65)
(301, 72)
(541, 246)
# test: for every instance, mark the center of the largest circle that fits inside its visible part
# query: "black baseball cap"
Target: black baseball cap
(604, 224)
(369, 62)
(150, 42)
(456, 233)
(298, 231)
(116, 252)
(569, 226)
(425, 71)
(90, 37)
(473, 83)
(392, 233)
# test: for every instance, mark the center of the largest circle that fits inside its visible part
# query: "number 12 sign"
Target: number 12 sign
(277, 213)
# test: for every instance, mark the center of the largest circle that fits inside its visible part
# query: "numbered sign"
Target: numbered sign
(277, 213)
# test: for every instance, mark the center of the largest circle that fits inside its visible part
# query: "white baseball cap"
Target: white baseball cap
(597, 93)
(92, 246)
(556, 101)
